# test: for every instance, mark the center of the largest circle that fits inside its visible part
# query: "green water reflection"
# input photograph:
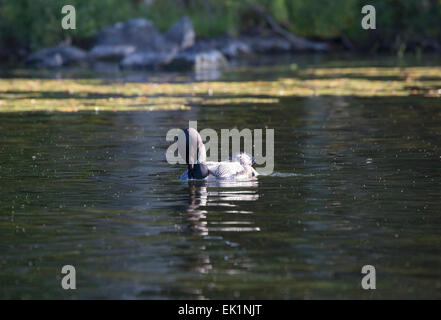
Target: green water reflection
(357, 181)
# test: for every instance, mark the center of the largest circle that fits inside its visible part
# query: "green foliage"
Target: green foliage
(278, 9)
(37, 23)
(210, 17)
(33, 24)
(321, 17)
(216, 18)
(399, 23)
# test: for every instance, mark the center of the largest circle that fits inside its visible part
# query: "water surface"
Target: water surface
(357, 181)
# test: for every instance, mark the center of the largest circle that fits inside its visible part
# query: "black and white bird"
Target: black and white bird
(192, 149)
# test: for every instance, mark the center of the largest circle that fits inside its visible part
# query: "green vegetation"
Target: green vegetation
(401, 24)
(70, 95)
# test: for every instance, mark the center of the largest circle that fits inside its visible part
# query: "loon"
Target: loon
(192, 149)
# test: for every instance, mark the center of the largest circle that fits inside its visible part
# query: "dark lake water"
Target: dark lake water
(357, 181)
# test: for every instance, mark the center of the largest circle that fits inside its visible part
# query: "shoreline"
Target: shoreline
(137, 44)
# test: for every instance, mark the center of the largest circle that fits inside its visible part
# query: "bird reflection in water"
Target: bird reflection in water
(220, 193)
(220, 198)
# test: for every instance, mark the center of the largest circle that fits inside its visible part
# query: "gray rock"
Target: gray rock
(136, 32)
(111, 52)
(235, 48)
(228, 46)
(149, 59)
(210, 60)
(56, 56)
(181, 33)
(199, 60)
(137, 44)
(124, 38)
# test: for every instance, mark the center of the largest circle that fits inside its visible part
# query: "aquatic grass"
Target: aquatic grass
(70, 95)
(364, 72)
